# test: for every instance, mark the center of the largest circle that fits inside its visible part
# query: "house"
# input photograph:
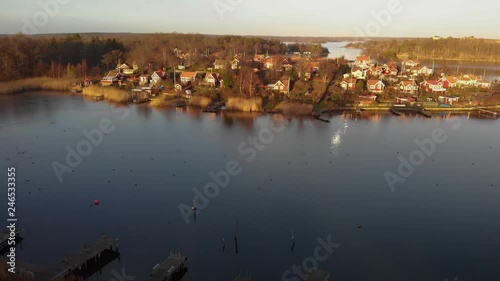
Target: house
(390, 69)
(349, 84)
(188, 76)
(375, 86)
(449, 82)
(448, 99)
(406, 64)
(144, 79)
(424, 70)
(362, 62)
(433, 86)
(282, 86)
(408, 87)
(484, 84)
(311, 69)
(183, 87)
(358, 73)
(212, 79)
(401, 100)
(287, 66)
(157, 77)
(88, 82)
(112, 78)
(468, 80)
(219, 64)
(259, 57)
(235, 64)
(268, 63)
(375, 71)
(126, 69)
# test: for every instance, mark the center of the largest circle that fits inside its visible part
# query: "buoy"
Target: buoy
(96, 202)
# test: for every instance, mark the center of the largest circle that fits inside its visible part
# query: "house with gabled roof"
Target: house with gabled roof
(449, 81)
(213, 79)
(269, 63)
(375, 86)
(157, 77)
(144, 79)
(311, 68)
(188, 76)
(112, 78)
(375, 71)
(433, 86)
(235, 64)
(220, 64)
(282, 86)
(363, 62)
(409, 63)
(348, 84)
(358, 73)
(408, 87)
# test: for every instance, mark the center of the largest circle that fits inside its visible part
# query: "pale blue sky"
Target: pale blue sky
(422, 18)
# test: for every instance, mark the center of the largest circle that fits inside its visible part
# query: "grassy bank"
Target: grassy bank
(36, 84)
(109, 93)
(244, 104)
(294, 108)
(200, 101)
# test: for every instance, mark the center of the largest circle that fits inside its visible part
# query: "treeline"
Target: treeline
(450, 49)
(68, 56)
(74, 55)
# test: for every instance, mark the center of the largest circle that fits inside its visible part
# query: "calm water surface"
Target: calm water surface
(317, 178)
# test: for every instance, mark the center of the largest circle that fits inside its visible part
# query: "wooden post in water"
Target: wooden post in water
(293, 240)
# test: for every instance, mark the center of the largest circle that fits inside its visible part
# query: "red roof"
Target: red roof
(362, 58)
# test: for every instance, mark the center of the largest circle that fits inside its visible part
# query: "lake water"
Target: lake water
(337, 49)
(319, 179)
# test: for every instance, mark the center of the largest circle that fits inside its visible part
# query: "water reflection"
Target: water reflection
(144, 111)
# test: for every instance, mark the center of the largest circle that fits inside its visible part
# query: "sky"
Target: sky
(373, 18)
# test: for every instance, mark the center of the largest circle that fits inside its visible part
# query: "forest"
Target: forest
(71, 56)
(469, 49)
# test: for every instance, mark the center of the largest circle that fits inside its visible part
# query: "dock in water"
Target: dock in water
(395, 112)
(486, 112)
(81, 262)
(173, 268)
(318, 275)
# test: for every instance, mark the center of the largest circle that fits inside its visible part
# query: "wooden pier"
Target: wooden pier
(485, 112)
(173, 268)
(214, 108)
(320, 118)
(395, 112)
(424, 113)
(81, 262)
(180, 104)
(141, 100)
